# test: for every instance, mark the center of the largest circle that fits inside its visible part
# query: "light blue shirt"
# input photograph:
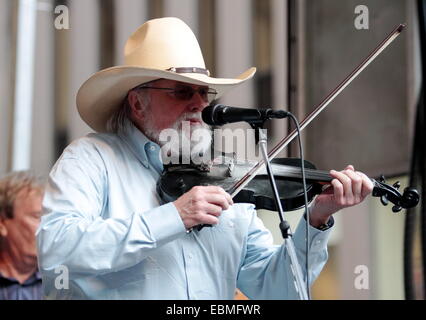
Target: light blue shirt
(105, 235)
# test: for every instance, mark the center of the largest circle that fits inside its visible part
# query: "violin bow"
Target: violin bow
(328, 99)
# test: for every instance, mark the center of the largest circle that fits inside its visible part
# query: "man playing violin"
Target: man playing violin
(104, 222)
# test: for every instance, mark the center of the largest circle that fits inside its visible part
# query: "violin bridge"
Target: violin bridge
(230, 168)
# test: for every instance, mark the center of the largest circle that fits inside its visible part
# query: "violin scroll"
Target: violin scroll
(410, 197)
(390, 193)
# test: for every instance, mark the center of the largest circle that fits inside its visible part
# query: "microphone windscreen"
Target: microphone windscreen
(208, 115)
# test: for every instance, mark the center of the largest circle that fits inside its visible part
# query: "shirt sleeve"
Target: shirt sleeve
(265, 271)
(72, 232)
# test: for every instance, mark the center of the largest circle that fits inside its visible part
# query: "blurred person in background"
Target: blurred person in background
(21, 196)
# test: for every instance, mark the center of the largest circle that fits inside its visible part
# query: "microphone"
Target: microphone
(220, 114)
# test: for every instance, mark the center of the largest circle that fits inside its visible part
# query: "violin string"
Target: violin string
(311, 174)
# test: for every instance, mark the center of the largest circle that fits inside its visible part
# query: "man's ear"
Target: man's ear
(3, 228)
(135, 105)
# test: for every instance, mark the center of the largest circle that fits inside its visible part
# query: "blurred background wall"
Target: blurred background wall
(302, 49)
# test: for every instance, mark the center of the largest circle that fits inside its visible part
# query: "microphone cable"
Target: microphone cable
(306, 214)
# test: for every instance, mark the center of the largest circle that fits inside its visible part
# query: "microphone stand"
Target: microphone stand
(284, 225)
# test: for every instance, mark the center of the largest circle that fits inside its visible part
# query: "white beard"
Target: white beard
(181, 142)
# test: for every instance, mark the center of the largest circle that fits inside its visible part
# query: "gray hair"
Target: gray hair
(117, 121)
(11, 185)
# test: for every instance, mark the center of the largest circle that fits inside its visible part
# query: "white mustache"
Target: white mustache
(188, 117)
(192, 115)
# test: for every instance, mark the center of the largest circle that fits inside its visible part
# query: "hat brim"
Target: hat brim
(103, 93)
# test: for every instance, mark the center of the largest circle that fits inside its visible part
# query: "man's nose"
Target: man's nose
(198, 103)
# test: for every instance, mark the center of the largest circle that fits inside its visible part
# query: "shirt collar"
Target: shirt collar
(36, 276)
(137, 141)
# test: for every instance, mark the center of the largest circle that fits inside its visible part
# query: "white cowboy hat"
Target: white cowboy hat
(161, 48)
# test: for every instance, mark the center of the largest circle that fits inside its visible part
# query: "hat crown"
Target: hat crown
(162, 44)
(151, 53)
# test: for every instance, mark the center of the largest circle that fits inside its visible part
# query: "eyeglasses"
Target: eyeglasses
(186, 93)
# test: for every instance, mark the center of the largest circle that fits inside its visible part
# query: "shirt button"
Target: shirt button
(152, 148)
(189, 256)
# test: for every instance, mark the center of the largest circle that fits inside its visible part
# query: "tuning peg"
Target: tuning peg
(396, 209)
(384, 200)
(382, 178)
(397, 185)
(181, 184)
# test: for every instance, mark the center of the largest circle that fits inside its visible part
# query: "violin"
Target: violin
(225, 171)
(248, 182)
